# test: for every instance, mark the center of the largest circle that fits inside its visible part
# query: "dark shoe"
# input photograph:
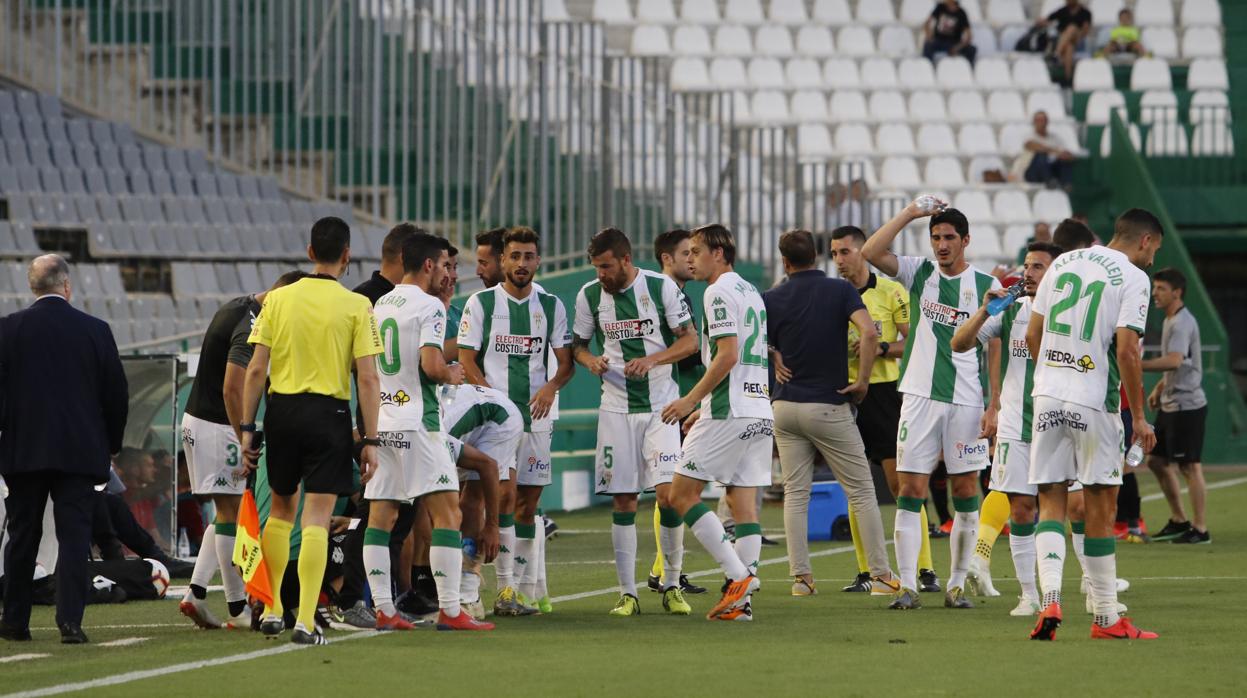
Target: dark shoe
(1193, 537)
(416, 604)
(552, 528)
(928, 581)
(8, 632)
(768, 541)
(654, 583)
(1172, 530)
(71, 634)
(862, 583)
(300, 636)
(934, 532)
(688, 587)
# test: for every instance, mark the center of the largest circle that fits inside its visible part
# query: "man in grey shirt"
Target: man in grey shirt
(1180, 398)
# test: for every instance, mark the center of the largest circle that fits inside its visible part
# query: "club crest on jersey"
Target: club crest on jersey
(941, 314)
(518, 344)
(720, 314)
(967, 296)
(628, 329)
(1064, 359)
(538, 317)
(645, 303)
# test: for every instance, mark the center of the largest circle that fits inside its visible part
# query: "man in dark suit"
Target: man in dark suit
(63, 405)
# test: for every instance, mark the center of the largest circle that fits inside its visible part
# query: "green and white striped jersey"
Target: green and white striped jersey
(513, 339)
(629, 325)
(1017, 369)
(937, 305)
(732, 306)
(468, 407)
(408, 319)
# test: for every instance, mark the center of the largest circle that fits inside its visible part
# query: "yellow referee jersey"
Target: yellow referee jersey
(315, 329)
(888, 306)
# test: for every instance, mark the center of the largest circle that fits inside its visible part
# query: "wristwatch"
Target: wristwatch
(370, 441)
(246, 428)
(883, 348)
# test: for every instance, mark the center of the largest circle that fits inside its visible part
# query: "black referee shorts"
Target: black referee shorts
(877, 418)
(1180, 435)
(308, 440)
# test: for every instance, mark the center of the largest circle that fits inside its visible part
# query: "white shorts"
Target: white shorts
(930, 429)
(1073, 442)
(213, 457)
(735, 451)
(411, 464)
(635, 452)
(1011, 468)
(532, 459)
(498, 441)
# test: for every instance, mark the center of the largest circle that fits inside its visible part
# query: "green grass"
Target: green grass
(846, 644)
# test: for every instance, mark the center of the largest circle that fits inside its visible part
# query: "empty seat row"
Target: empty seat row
(87, 280)
(27, 167)
(206, 280)
(1007, 205)
(1158, 105)
(1027, 73)
(810, 106)
(105, 208)
(816, 140)
(1149, 74)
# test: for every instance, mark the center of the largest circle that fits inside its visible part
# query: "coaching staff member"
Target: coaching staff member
(311, 332)
(807, 324)
(63, 404)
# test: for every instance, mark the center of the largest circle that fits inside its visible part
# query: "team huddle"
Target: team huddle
(464, 403)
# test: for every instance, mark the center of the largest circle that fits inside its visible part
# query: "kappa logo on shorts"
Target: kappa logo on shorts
(221, 482)
(1052, 556)
(443, 480)
(375, 572)
(690, 466)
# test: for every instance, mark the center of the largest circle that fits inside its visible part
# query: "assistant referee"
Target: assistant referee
(311, 332)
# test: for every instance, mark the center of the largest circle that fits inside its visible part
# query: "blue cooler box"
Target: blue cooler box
(829, 512)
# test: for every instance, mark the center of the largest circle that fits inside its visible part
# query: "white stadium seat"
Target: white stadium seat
(896, 41)
(1201, 12)
(1160, 42)
(966, 105)
(815, 42)
(944, 172)
(974, 11)
(974, 204)
(1013, 137)
(1207, 74)
(1104, 12)
(744, 11)
(809, 106)
(914, 13)
(977, 139)
(916, 74)
(856, 40)
(833, 12)
(1209, 105)
(1010, 35)
(1002, 12)
(690, 74)
(984, 38)
(894, 139)
(1202, 42)
(766, 73)
(887, 105)
(773, 40)
(936, 139)
(1158, 105)
(813, 141)
(1150, 74)
(728, 73)
(1166, 138)
(876, 13)
(1031, 72)
(788, 12)
(1051, 102)
(927, 105)
(980, 164)
(691, 40)
(839, 73)
(1212, 138)
(699, 11)
(732, 40)
(879, 73)
(1006, 105)
(769, 107)
(992, 73)
(650, 40)
(985, 248)
(1093, 74)
(803, 73)
(1106, 140)
(611, 12)
(1100, 105)
(900, 172)
(848, 105)
(1153, 12)
(954, 73)
(655, 11)
(854, 139)
(1051, 205)
(1012, 206)
(1016, 236)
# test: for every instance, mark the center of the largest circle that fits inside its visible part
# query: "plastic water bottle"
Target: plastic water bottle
(184, 544)
(469, 547)
(930, 204)
(1135, 455)
(996, 306)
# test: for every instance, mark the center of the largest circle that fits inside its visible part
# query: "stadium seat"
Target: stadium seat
(914, 13)
(900, 172)
(769, 107)
(1051, 102)
(985, 250)
(1158, 105)
(1006, 105)
(916, 74)
(982, 163)
(944, 172)
(953, 73)
(728, 73)
(856, 40)
(744, 12)
(732, 40)
(803, 74)
(814, 142)
(875, 14)
(936, 139)
(788, 12)
(887, 105)
(1150, 74)
(1093, 74)
(1161, 42)
(809, 106)
(1153, 12)
(1202, 42)
(977, 139)
(927, 105)
(650, 40)
(833, 12)
(1012, 206)
(700, 11)
(689, 74)
(1051, 205)
(896, 41)
(1030, 72)
(773, 41)
(766, 73)
(1209, 105)
(1201, 12)
(879, 73)
(1207, 74)
(1104, 12)
(984, 38)
(974, 204)
(655, 11)
(848, 105)
(1166, 139)
(895, 139)
(611, 12)
(1101, 103)
(853, 139)
(992, 73)
(815, 42)
(691, 40)
(1211, 138)
(1002, 12)
(966, 106)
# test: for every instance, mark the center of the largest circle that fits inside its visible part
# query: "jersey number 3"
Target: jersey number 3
(753, 353)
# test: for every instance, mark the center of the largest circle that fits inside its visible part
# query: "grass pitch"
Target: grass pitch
(830, 644)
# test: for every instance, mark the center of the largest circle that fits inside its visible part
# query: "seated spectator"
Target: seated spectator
(1043, 233)
(947, 30)
(1046, 157)
(137, 470)
(1073, 23)
(1124, 37)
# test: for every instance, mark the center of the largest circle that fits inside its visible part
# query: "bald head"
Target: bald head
(49, 274)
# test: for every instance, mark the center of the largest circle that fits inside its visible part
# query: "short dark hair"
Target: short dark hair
(797, 246)
(610, 240)
(453, 251)
(289, 278)
(492, 238)
(849, 231)
(953, 217)
(717, 236)
(392, 246)
(1137, 222)
(666, 242)
(1173, 277)
(1051, 249)
(1072, 235)
(331, 236)
(420, 248)
(522, 234)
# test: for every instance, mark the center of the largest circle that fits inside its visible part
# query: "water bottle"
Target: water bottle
(469, 547)
(1135, 455)
(929, 204)
(996, 306)
(184, 544)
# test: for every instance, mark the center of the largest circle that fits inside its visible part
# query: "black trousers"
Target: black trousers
(114, 525)
(354, 576)
(72, 506)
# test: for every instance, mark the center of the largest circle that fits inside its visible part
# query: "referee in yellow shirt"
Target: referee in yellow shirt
(306, 338)
(879, 413)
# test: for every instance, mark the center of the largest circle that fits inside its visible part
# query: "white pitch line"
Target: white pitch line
(124, 642)
(1214, 486)
(135, 626)
(22, 657)
(173, 669)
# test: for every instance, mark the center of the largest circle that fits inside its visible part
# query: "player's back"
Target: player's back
(408, 319)
(1085, 297)
(734, 306)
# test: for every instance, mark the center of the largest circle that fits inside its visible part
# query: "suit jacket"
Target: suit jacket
(63, 393)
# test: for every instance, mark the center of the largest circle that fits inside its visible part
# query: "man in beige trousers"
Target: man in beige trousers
(807, 326)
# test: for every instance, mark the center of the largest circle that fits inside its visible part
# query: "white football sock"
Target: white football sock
(446, 561)
(235, 587)
(504, 564)
(672, 540)
(1022, 549)
(1050, 549)
(377, 567)
(749, 545)
(539, 586)
(206, 563)
(709, 532)
(1078, 542)
(623, 537)
(525, 574)
(961, 542)
(1102, 571)
(907, 534)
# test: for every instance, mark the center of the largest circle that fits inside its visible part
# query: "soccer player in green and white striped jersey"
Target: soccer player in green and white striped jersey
(505, 339)
(942, 412)
(1011, 464)
(626, 309)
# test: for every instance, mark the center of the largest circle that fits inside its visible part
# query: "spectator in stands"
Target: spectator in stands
(1043, 233)
(947, 30)
(1125, 36)
(1073, 23)
(1046, 157)
(137, 469)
